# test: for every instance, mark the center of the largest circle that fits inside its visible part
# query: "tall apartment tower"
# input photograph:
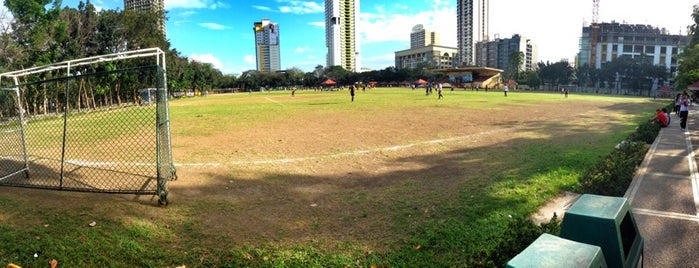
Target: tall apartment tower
(267, 46)
(420, 37)
(484, 16)
(340, 34)
(149, 6)
(464, 31)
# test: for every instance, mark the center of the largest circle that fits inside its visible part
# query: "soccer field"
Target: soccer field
(395, 177)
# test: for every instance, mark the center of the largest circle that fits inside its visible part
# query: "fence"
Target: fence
(98, 124)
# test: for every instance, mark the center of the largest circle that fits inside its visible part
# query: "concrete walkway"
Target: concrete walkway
(664, 196)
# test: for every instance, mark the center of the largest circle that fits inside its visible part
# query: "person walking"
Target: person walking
(684, 110)
(678, 103)
(505, 90)
(439, 91)
(351, 90)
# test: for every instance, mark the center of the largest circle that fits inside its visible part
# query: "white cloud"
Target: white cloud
(383, 26)
(317, 24)
(303, 49)
(263, 8)
(213, 26)
(173, 4)
(294, 7)
(207, 58)
(249, 59)
(301, 7)
(379, 61)
(187, 13)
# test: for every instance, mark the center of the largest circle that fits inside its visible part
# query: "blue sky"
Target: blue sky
(220, 31)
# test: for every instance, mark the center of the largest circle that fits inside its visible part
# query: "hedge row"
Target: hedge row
(610, 177)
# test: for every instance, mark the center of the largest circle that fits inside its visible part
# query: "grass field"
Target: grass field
(395, 178)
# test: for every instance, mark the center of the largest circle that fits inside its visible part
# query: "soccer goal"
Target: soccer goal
(97, 124)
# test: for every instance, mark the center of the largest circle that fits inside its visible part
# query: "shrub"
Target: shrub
(520, 233)
(646, 132)
(613, 175)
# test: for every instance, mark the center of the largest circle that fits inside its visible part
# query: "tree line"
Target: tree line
(40, 32)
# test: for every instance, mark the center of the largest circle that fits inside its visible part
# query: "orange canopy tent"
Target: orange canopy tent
(329, 82)
(420, 81)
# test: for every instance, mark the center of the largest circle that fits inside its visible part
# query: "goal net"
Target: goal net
(97, 124)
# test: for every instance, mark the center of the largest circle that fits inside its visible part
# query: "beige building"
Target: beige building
(436, 56)
(425, 49)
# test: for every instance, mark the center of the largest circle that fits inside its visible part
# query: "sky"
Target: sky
(220, 31)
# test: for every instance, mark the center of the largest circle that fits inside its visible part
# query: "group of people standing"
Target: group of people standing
(681, 109)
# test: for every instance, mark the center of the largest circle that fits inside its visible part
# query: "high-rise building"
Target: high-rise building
(340, 34)
(464, 31)
(421, 37)
(497, 53)
(149, 6)
(267, 46)
(483, 28)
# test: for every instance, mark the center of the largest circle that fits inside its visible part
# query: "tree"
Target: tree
(635, 74)
(688, 68)
(530, 78)
(514, 61)
(554, 74)
(142, 30)
(337, 73)
(33, 28)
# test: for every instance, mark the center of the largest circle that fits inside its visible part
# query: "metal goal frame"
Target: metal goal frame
(122, 145)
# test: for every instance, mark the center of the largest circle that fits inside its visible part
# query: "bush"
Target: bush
(646, 132)
(520, 233)
(613, 175)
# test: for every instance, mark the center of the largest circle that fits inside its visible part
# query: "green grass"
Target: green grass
(461, 231)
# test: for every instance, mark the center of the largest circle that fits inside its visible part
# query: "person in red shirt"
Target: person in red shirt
(660, 118)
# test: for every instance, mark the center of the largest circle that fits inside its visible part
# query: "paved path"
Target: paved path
(664, 196)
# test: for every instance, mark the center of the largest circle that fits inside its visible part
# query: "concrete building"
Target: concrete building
(602, 42)
(496, 53)
(421, 37)
(435, 56)
(340, 34)
(425, 48)
(267, 46)
(149, 6)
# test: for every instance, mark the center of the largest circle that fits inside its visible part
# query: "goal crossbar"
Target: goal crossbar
(68, 65)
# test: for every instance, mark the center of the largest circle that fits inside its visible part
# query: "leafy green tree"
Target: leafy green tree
(338, 74)
(142, 30)
(530, 78)
(109, 37)
(554, 74)
(33, 28)
(632, 74)
(514, 61)
(688, 69)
